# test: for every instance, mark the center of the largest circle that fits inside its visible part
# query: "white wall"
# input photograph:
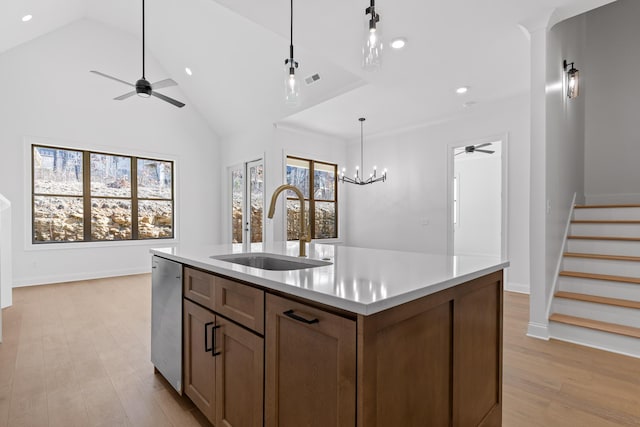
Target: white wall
(611, 72)
(479, 227)
(48, 92)
(564, 138)
(6, 275)
(390, 215)
(274, 144)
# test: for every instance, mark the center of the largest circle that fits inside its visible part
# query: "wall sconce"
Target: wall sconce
(573, 80)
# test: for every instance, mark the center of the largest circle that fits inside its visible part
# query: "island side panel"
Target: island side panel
(409, 358)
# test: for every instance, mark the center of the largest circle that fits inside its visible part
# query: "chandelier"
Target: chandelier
(358, 178)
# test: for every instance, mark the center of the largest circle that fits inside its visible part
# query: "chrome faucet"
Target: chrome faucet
(303, 236)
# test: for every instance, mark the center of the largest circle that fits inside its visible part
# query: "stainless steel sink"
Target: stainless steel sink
(266, 261)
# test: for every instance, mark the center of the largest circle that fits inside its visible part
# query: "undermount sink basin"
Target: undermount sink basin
(266, 261)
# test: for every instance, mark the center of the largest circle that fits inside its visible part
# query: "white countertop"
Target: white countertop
(360, 280)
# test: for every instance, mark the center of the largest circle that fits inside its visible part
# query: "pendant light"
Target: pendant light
(358, 178)
(291, 85)
(372, 46)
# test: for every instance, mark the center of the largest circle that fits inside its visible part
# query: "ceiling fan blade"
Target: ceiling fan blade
(483, 145)
(112, 78)
(167, 99)
(163, 83)
(125, 96)
(485, 151)
(462, 152)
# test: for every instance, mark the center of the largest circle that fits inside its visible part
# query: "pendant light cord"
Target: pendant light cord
(291, 35)
(362, 144)
(143, 70)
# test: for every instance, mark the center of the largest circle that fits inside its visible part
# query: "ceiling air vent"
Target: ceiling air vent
(312, 78)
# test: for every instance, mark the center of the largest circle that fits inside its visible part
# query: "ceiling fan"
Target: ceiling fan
(474, 148)
(142, 87)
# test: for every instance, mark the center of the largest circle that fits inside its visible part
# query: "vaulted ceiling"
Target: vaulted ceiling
(236, 50)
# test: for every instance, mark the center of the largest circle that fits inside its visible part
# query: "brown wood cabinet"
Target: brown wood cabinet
(223, 368)
(434, 361)
(311, 366)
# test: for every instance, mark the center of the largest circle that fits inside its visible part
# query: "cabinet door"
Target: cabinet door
(199, 362)
(239, 376)
(311, 366)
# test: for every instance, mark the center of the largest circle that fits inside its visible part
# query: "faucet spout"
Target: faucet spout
(303, 236)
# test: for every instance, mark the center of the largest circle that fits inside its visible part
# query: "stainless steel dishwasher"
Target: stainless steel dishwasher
(166, 319)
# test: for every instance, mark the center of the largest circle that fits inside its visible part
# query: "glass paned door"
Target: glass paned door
(247, 203)
(255, 190)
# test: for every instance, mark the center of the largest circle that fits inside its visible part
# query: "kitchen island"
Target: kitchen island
(371, 338)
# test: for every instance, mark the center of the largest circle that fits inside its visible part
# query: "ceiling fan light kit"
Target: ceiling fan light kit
(142, 87)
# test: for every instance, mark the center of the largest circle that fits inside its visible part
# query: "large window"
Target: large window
(317, 182)
(84, 196)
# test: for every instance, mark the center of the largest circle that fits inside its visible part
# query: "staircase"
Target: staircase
(597, 302)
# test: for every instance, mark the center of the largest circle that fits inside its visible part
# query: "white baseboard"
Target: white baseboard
(520, 288)
(61, 278)
(538, 330)
(612, 199)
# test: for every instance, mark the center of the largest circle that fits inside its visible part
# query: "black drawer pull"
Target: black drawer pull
(207, 349)
(214, 353)
(291, 314)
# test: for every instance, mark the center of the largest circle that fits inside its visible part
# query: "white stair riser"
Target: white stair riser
(597, 339)
(594, 311)
(605, 247)
(615, 230)
(607, 213)
(602, 288)
(599, 266)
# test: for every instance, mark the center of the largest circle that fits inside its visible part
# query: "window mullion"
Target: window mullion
(86, 194)
(134, 198)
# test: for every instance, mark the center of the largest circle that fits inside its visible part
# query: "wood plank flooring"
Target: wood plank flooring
(77, 354)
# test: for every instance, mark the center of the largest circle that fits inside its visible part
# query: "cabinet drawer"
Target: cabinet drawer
(199, 287)
(240, 303)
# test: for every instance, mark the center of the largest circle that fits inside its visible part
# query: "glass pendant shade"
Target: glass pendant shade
(372, 46)
(291, 88)
(573, 86)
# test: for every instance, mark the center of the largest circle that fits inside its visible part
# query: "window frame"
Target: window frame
(87, 197)
(311, 200)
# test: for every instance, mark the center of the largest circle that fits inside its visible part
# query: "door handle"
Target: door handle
(214, 353)
(207, 349)
(291, 314)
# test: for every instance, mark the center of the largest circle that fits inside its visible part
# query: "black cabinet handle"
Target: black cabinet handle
(214, 353)
(207, 349)
(291, 314)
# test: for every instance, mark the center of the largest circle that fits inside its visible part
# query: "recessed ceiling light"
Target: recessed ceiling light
(462, 90)
(26, 18)
(188, 71)
(398, 42)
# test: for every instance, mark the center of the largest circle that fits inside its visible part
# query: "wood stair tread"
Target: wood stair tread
(605, 221)
(629, 205)
(598, 299)
(607, 277)
(622, 239)
(614, 328)
(602, 256)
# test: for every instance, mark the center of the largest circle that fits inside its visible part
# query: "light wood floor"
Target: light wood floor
(77, 354)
